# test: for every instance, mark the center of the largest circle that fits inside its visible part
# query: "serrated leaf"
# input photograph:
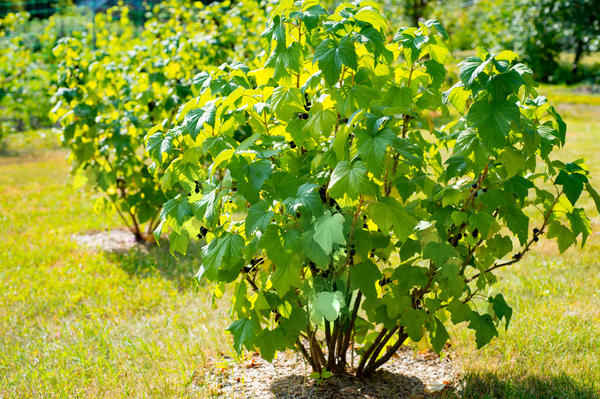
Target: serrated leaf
(484, 328)
(413, 321)
(196, 119)
(258, 218)
(493, 120)
(439, 253)
(243, 331)
(572, 184)
(459, 311)
(563, 235)
(178, 209)
(329, 231)
(439, 336)
(373, 17)
(306, 197)
(286, 276)
(364, 277)
(350, 179)
(501, 309)
(332, 55)
(285, 102)
(372, 148)
(223, 252)
(389, 215)
(328, 305)
(470, 69)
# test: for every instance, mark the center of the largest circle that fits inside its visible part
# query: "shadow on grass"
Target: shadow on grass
(148, 260)
(383, 384)
(493, 386)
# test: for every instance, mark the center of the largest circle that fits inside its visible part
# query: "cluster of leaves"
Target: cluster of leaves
(337, 208)
(115, 86)
(26, 73)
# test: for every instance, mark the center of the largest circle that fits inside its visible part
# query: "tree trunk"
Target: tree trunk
(578, 54)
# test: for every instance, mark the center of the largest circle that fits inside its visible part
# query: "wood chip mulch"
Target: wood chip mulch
(408, 375)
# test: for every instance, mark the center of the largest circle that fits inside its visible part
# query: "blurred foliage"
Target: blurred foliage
(25, 73)
(117, 82)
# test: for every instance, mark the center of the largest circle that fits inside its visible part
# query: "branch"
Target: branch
(388, 355)
(519, 255)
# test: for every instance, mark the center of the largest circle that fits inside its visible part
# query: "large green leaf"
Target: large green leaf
(329, 231)
(493, 120)
(484, 328)
(389, 215)
(364, 277)
(372, 148)
(350, 179)
(258, 218)
(244, 331)
(331, 55)
(223, 252)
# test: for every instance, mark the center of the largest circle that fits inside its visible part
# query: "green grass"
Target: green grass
(83, 323)
(552, 347)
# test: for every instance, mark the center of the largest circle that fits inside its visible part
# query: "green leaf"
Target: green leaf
(286, 102)
(258, 218)
(439, 253)
(286, 276)
(329, 231)
(373, 146)
(244, 331)
(373, 17)
(364, 277)
(159, 146)
(321, 123)
(594, 194)
(572, 184)
(459, 311)
(328, 305)
(350, 179)
(223, 252)
(389, 214)
(493, 120)
(513, 161)
(470, 69)
(501, 309)
(314, 252)
(177, 208)
(439, 336)
(196, 119)
(516, 221)
(285, 60)
(306, 197)
(504, 84)
(457, 96)
(413, 321)
(580, 224)
(563, 235)
(331, 56)
(484, 328)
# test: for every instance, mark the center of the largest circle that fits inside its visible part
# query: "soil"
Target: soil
(408, 375)
(118, 240)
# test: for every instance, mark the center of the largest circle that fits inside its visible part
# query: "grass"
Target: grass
(81, 323)
(75, 322)
(552, 347)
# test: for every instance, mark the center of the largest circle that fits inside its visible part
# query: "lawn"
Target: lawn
(80, 322)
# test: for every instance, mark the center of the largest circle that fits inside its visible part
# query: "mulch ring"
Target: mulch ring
(117, 240)
(407, 375)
